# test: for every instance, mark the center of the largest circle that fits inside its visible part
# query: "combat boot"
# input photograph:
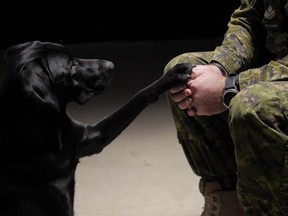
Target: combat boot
(219, 202)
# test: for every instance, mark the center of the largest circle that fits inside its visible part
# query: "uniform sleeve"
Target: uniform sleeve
(244, 36)
(273, 71)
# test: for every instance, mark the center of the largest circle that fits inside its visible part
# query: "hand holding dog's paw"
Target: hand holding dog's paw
(179, 74)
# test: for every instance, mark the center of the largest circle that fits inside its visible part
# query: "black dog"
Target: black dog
(40, 143)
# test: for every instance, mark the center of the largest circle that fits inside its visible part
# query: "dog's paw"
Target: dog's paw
(179, 74)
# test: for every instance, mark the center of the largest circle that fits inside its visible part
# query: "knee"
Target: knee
(182, 58)
(251, 103)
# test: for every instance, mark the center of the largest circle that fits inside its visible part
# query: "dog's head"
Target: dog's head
(49, 74)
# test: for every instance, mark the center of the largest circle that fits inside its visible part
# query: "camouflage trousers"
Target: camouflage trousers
(244, 148)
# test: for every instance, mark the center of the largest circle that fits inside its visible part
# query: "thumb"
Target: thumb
(195, 74)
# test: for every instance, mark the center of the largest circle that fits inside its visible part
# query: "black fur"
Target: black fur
(40, 143)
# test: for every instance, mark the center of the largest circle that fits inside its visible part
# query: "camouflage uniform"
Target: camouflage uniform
(249, 142)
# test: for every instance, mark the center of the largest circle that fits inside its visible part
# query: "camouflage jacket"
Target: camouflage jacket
(256, 25)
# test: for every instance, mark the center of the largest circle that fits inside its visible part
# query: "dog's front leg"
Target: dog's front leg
(98, 136)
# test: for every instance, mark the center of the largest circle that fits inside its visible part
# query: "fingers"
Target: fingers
(180, 95)
(177, 89)
(183, 99)
(186, 103)
(192, 111)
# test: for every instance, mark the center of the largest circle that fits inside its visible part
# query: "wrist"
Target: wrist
(220, 66)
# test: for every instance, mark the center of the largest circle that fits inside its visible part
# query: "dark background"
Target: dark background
(139, 171)
(93, 21)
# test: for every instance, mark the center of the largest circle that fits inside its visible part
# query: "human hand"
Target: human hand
(181, 95)
(203, 93)
(207, 86)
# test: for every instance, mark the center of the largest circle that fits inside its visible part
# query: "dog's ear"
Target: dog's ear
(38, 84)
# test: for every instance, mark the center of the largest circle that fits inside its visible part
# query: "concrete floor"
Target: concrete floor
(144, 171)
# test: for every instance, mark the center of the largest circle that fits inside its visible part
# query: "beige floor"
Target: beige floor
(143, 172)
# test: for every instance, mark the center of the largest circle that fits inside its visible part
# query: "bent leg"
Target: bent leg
(209, 149)
(258, 121)
(205, 140)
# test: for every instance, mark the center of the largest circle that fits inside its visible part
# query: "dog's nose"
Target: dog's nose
(109, 65)
(105, 64)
